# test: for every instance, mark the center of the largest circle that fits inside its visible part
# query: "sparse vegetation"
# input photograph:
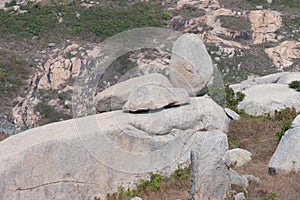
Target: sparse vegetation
(13, 73)
(50, 114)
(256, 134)
(156, 182)
(236, 23)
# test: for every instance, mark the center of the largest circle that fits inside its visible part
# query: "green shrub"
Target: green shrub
(180, 175)
(232, 98)
(166, 15)
(270, 196)
(282, 130)
(295, 85)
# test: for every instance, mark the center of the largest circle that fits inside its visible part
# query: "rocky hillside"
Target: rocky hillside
(44, 46)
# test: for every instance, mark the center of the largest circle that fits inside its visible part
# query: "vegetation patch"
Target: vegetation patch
(96, 22)
(50, 114)
(256, 134)
(13, 73)
(295, 85)
(156, 183)
(235, 23)
(189, 11)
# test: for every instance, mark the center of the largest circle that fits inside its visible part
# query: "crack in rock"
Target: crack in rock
(55, 182)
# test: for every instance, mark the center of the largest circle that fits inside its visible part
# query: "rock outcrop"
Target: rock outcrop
(264, 95)
(266, 98)
(92, 156)
(287, 155)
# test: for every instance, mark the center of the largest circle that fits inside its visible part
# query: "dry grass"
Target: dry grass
(168, 191)
(257, 136)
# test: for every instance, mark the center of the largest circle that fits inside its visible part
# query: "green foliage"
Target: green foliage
(295, 85)
(153, 183)
(96, 21)
(282, 130)
(11, 3)
(180, 175)
(166, 15)
(270, 196)
(233, 98)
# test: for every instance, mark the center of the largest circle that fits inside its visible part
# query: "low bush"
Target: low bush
(295, 85)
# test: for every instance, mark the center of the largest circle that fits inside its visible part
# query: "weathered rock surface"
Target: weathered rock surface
(283, 53)
(253, 178)
(239, 157)
(239, 180)
(114, 97)
(266, 98)
(239, 196)
(209, 165)
(296, 122)
(287, 155)
(271, 78)
(264, 24)
(92, 156)
(190, 65)
(232, 114)
(289, 78)
(201, 114)
(152, 97)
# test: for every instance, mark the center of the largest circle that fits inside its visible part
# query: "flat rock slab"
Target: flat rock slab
(266, 98)
(114, 97)
(153, 97)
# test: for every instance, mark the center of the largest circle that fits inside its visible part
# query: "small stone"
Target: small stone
(239, 196)
(239, 180)
(232, 114)
(52, 44)
(259, 7)
(136, 198)
(269, 1)
(253, 178)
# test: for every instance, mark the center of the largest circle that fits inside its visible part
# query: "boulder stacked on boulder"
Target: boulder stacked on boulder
(149, 124)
